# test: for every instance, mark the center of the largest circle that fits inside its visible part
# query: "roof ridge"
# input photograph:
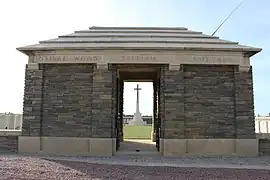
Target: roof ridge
(137, 28)
(137, 31)
(137, 41)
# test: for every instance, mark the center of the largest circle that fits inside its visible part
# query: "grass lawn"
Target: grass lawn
(137, 132)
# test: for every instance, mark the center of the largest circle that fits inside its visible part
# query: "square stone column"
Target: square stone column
(103, 102)
(158, 112)
(154, 119)
(246, 142)
(32, 104)
(103, 141)
(173, 124)
(29, 141)
(121, 110)
(244, 104)
(174, 103)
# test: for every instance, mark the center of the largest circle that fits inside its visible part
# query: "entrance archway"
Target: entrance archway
(137, 73)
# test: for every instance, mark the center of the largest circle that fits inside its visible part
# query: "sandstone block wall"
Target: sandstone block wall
(69, 100)
(209, 102)
(67, 97)
(196, 101)
(203, 101)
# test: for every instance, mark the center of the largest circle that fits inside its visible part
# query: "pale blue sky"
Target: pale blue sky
(26, 22)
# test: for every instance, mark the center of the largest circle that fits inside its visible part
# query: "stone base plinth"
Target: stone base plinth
(137, 123)
(247, 147)
(137, 120)
(67, 146)
(209, 147)
(107, 146)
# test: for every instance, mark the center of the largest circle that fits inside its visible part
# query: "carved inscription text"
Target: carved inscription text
(63, 59)
(213, 60)
(138, 58)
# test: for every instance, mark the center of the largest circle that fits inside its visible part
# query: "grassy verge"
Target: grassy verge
(137, 132)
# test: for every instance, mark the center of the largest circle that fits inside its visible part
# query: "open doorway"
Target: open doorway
(137, 104)
(138, 116)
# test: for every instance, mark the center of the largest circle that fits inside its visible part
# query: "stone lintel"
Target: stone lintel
(103, 66)
(244, 68)
(245, 61)
(67, 145)
(174, 67)
(33, 66)
(209, 147)
(245, 64)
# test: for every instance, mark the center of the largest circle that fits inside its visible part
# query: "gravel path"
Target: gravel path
(33, 168)
(261, 162)
(102, 168)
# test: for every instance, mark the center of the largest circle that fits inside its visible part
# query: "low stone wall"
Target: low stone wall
(263, 135)
(264, 147)
(264, 143)
(9, 141)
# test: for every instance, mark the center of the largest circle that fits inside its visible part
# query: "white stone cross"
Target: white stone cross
(137, 119)
(137, 101)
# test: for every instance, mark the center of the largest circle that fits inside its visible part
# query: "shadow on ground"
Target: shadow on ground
(133, 144)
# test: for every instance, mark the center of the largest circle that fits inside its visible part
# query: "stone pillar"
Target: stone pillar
(246, 143)
(161, 102)
(117, 114)
(119, 117)
(32, 104)
(174, 103)
(121, 103)
(174, 117)
(160, 111)
(154, 119)
(102, 102)
(29, 141)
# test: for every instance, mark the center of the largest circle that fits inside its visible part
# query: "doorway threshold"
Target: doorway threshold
(135, 153)
(137, 147)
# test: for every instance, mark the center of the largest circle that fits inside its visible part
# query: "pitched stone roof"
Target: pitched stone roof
(146, 38)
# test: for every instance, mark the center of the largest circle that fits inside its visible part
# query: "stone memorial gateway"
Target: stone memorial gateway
(203, 89)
